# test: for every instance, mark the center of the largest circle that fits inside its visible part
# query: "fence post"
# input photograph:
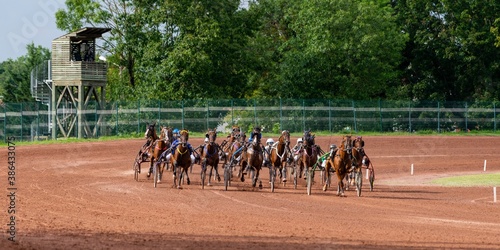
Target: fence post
(5, 122)
(354, 113)
(409, 116)
(232, 112)
(37, 122)
(255, 112)
(380, 114)
(159, 111)
(303, 115)
(494, 117)
(439, 116)
(330, 116)
(22, 122)
(116, 128)
(182, 114)
(466, 113)
(281, 115)
(208, 115)
(96, 119)
(138, 116)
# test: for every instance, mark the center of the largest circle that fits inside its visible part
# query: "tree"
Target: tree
(334, 48)
(451, 53)
(15, 74)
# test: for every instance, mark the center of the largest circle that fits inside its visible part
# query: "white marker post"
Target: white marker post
(495, 194)
(484, 165)
(367, 172)
(412, 169)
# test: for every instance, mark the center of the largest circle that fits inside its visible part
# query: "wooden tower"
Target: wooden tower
(77, 82)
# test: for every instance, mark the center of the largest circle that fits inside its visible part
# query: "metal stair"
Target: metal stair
(41, 82)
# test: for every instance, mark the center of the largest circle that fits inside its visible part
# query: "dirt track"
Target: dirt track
(83, 195)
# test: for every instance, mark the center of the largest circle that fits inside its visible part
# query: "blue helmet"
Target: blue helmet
(175, 131)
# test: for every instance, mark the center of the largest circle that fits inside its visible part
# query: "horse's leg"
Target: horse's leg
(327, 171)
(187, 175)
(242, 174)
(341, 184)
(216, 166)
(160, 171)
(210, 175)
(257, 177)
(151, 167)
(283, 171)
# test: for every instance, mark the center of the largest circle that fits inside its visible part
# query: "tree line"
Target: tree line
(439, 50)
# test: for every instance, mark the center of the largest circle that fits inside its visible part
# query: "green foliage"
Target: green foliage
(359, 50)
(451, 54)
(15, 74)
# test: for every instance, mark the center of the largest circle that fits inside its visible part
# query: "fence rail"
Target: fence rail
(32, 121)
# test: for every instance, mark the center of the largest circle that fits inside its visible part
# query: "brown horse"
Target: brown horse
(163, 143)
(152, 140)
(309, 154)
(209, 157)
(360, 159)
(280, 153)
(339, 160)
(252, 158)
(234, 146)
(228, 145)
(181, 159)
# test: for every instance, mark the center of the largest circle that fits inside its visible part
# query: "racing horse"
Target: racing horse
(360, 159)
(181, 159)
(209, 157)
(340, 161)
(152, 139)
(234, 148)
(309, 154)
(144, 154)
(252, 158)
(163, 143)
(228, 146)
(280, 152)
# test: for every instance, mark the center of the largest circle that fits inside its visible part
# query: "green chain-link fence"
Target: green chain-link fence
(32, 121)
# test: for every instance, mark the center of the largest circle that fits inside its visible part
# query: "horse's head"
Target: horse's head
(183, 137)
(347, 143)
(308, 138)
(358, 142)
(150, 131)
(235, 130)
(211, 135)
(242, 136)
(166, 134)
(256, 136)
(285, 137)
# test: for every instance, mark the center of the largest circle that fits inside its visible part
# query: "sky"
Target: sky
(23, 22)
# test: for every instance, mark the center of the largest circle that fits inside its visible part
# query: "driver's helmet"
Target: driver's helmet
(270, 141)
(176, 133)
(299, 140)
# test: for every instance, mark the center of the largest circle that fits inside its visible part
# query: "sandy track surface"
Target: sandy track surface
(83, 196)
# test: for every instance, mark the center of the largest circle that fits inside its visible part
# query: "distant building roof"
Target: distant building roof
(87, 32)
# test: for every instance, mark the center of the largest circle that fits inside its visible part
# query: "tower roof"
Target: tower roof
(85, 33)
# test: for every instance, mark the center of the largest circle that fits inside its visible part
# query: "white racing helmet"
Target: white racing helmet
(270, 141)
(299, 140)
